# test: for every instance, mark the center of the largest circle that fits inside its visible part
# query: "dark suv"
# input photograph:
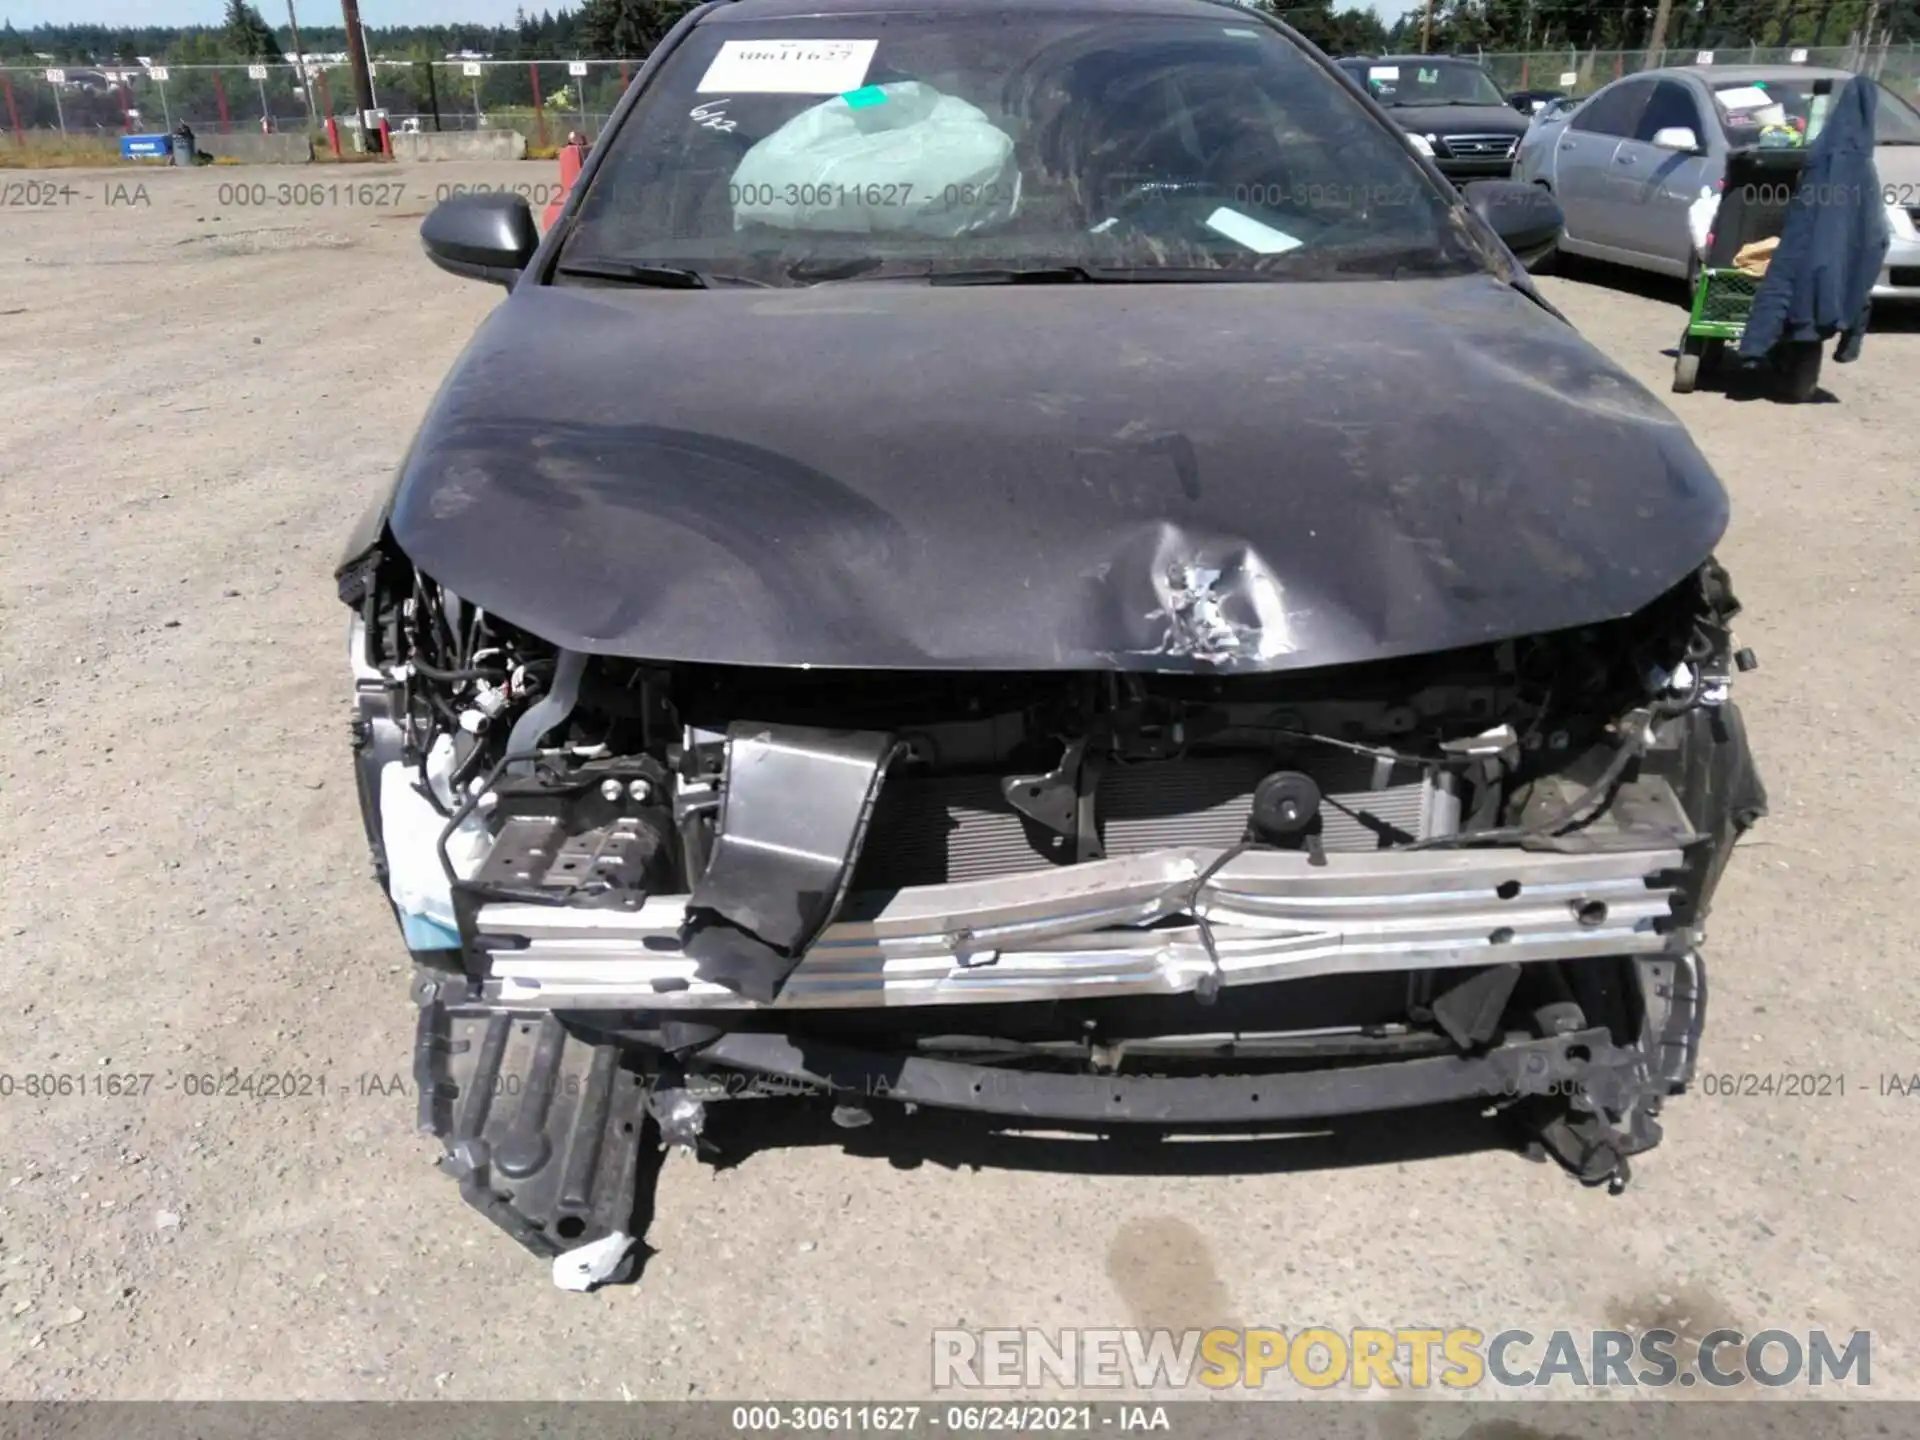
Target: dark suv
(1452, 108)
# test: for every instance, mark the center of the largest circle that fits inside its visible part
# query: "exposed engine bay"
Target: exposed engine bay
(1087, 897)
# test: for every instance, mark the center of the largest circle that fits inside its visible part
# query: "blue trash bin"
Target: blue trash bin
(146, 147)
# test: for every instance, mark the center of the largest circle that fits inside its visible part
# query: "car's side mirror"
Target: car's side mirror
(1525, 216)
(488, 236)
(1676, 137)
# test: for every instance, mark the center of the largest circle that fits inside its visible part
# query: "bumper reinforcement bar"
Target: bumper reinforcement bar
(1122, 926)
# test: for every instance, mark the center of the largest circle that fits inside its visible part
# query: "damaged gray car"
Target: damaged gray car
(1040, 563)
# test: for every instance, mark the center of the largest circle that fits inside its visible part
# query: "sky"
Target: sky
(25, 13)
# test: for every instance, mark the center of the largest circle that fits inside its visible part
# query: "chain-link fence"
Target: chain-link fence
(1580, 72)
(544, 99)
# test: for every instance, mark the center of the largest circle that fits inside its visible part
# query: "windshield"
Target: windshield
(1430, 82)
(1784, 110)
(1002, 145)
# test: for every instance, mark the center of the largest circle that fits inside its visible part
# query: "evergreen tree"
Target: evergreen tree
(1353, 31)
(250, 37)
(620, 29)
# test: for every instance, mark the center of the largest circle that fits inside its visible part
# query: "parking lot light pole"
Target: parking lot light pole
(300, 65)
(357, 62)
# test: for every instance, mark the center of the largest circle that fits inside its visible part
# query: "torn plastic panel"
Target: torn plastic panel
(794, 811)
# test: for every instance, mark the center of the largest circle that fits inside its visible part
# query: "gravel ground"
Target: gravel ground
(199, 398)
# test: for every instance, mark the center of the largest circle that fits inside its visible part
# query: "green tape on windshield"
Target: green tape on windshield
(863, 97)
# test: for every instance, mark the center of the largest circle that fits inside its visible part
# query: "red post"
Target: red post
(1525, 61)
(333, 136)
(623, 77)
(539, 110)
(220, 94)
(571, 158)
(13, 114)
(386, 139)
(1619, 65)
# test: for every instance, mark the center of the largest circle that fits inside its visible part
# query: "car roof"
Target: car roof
(744, 10)
(1743, 74)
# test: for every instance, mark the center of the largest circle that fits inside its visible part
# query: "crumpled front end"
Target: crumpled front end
(1095, 898)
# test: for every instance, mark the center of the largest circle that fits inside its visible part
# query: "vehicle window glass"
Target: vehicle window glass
(1614, 111)
(1430, 82)
(792, 150)
(1895, 121)
(1671, 105)
(1783, 110)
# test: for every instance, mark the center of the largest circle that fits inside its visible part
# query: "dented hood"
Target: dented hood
(1213, 478)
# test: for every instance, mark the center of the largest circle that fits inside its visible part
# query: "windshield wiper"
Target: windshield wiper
(1097, 275)
(1012, 275)
(856, 273)
(1394, 262)
(815, 271)
(664, 277)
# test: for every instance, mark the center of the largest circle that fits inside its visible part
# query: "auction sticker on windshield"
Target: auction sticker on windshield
(1262, 239)
(1744, 97)
(789, 67)
(1383, 72)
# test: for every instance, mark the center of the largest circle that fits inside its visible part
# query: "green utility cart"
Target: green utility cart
(1754, 199)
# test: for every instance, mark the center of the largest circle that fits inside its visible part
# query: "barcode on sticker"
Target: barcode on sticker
(789, 67)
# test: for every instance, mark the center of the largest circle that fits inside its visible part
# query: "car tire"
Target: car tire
(1713, 355)
(1799, 370)
(1544, 262)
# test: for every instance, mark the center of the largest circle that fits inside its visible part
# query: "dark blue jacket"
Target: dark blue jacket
(1834, 240)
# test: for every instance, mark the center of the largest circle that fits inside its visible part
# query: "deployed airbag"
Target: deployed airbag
(901, 158)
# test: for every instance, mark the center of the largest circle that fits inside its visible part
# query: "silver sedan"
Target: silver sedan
(1630, 162)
